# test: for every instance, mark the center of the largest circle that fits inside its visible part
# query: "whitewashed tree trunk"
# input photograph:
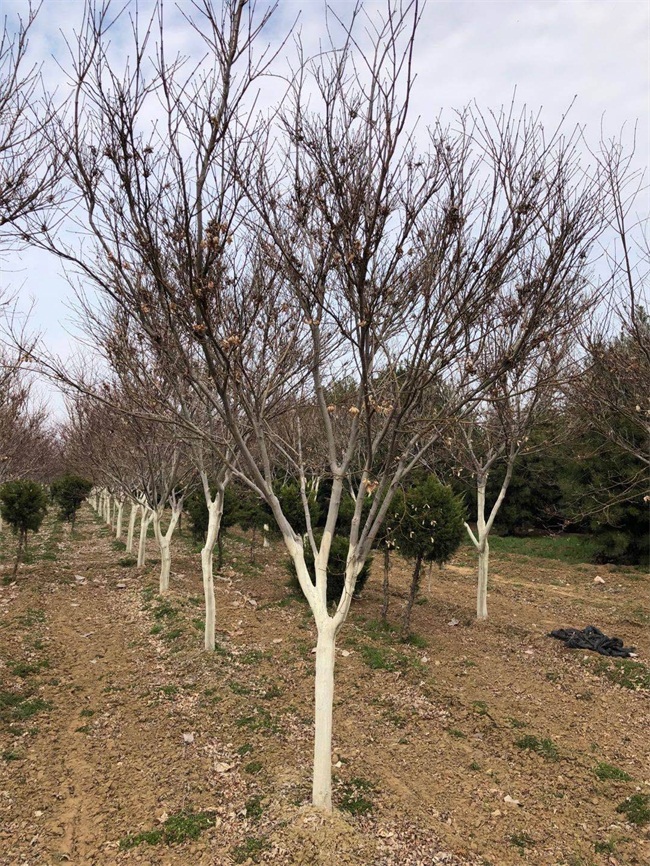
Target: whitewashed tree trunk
(327, 628)
(215, 510)
(483, 568)
(324, 706)
(483, 527)
(131, 530)
(164, 541)
(145, 519)
(118, 521)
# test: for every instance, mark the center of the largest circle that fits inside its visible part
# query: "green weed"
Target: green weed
(248, 850)
(33, 616)
(608, 771)
(22, 669)
(545, 747)
(454, 732)
(377, 658)
(636, 809)
(354, 797)
(522, 840)
(254, 808)
(176, 829)
(627, 673)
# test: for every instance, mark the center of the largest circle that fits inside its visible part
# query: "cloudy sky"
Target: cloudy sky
(550, 51)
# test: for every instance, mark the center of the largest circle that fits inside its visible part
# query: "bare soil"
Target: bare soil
(473, 744)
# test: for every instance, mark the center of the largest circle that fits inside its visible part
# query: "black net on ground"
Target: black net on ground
(592, 638)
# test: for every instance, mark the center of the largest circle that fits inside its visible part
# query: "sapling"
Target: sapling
(23, 505)
(429, 528)
(69, 492)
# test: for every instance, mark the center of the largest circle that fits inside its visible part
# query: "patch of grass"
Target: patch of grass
(11, 755)
(176, 829)
(87, 713)
(273, 691)
(169, 691)
(572, 549)
(260, 720)
(33, 616)
(627, 673)
(164, 609)
(249, 850)
(127, 561)
(118, 545)
(253, 767)
(17, 708)
(480, 707)
(454, 732)
(377, 658)
(380, 630)
(516, 723)
(84, 729)
(22, 669)
(150, 837)
(544, 747)
(608, 771)
(245, 749)
(607, 847)
(156, 629)
(522, 840)
(354, 797)
(254, 808)
(252, 657)
(174, 634)
(238, 688)
(475, 766)
(636, 809)
(416, 641)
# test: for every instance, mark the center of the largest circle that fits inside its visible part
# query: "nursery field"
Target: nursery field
(123, 742)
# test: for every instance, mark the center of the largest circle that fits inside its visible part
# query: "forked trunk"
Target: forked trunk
(324, 703)
(415, 585)
(131, 530)
(164, 543)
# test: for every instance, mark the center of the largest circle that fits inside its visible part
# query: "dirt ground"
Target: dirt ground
(122, 739)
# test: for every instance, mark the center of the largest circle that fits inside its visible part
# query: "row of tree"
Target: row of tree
(320, 293)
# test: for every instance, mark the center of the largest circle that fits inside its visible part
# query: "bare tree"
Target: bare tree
(498, 430)
(612, 386)
(29, 166)
(267, 262)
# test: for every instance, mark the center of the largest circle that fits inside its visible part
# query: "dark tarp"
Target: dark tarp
(592, 638)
